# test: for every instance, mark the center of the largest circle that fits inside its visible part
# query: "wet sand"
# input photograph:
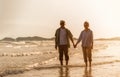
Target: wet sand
(76, 68)
(105, 70)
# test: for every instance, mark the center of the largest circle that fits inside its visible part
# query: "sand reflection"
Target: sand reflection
(64, 72)
(87, 72)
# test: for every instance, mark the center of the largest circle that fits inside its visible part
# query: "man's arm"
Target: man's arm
(56, 40)
(71, 37)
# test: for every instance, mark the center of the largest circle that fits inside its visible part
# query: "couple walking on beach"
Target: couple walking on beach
(62, 36)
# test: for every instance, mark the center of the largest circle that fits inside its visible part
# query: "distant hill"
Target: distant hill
(35, 38)
(114, 38)
(8, 39)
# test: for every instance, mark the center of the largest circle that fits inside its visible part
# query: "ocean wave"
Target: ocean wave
(38, 66)
(11, 72)
(21, 54)
(75, 65)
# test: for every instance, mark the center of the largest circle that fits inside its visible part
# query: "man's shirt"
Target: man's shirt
(63, 37)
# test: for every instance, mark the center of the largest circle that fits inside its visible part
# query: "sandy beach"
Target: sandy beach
(75, 69)
(106, 70)
(106, 61)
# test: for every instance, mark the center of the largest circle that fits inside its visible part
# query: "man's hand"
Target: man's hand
(75, 45)
(56, 47)
(91, 47)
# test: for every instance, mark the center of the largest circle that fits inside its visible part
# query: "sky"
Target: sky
(22, 18)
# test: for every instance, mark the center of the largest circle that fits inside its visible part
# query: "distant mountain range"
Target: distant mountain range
(37, 38)
(114, 38)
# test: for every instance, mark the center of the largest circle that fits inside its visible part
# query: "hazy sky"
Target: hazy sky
(41, 17)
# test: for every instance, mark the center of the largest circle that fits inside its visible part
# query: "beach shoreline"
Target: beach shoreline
(73, 70)
(105, 57)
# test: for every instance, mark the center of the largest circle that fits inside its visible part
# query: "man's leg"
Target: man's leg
(66, 54)
(61, 54)
(84, 55)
